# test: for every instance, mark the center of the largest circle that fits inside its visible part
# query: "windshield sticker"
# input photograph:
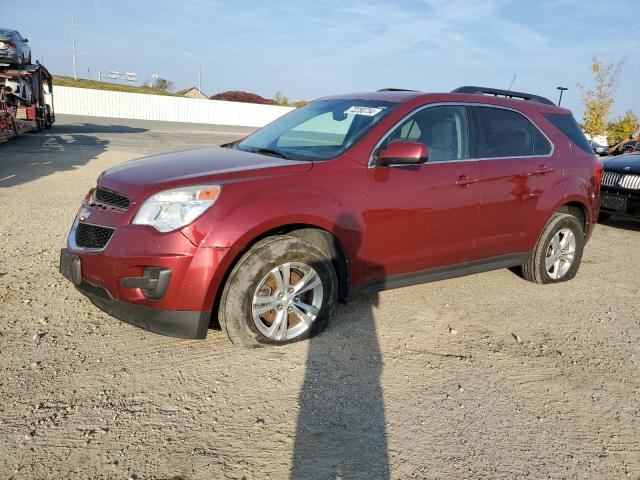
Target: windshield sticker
(368, 111)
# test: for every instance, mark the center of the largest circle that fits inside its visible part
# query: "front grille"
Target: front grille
(632, 182)
(611, 179)
(93, 236)
(110, 199)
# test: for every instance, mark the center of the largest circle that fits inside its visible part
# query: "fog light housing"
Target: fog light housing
(153, 283)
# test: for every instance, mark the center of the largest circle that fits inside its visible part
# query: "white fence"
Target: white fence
(140, 106)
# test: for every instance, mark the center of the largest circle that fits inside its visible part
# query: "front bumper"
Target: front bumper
(159, 282)
(173, 323)
(620, 201)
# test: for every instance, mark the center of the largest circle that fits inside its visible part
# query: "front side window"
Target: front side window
(443, 129)
(320, 130)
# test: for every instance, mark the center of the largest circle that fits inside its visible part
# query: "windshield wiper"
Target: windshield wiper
(272, 153)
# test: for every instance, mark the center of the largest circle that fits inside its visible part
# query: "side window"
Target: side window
(541, 145)
(443, 129)
(503, 133)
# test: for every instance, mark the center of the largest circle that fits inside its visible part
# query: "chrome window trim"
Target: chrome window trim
(71, 239)
(463, 104)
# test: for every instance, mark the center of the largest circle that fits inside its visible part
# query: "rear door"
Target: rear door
(515, 169)
(424, 216)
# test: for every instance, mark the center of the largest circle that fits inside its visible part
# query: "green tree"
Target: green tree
(162, 84)
(622, 127)
(599, 98)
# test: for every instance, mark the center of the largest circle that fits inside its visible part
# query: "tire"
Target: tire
(535, 269)
(252, 281)
(603, 217)
(48, 123)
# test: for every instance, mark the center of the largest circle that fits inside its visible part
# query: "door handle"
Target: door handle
(465, 180)
(543, 170)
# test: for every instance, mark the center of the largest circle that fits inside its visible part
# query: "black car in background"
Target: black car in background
(620, 193)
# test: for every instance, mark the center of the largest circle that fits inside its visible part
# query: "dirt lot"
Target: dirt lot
(480, 377)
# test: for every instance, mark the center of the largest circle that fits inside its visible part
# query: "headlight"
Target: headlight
(172, 209)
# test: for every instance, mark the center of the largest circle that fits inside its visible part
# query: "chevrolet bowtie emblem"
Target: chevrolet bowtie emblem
(84, 214)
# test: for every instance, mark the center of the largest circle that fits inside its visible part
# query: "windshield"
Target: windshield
(318, 131)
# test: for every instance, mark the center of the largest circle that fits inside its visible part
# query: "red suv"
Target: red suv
(363, 192)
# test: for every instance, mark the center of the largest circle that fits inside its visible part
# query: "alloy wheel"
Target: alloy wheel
(560, 253)
(287, 301)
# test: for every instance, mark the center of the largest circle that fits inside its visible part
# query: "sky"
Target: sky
(309, 49)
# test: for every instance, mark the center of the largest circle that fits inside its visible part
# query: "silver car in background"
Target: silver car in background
(13, 48)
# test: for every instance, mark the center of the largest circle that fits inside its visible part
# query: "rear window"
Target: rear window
(570, 128)
(6, 33)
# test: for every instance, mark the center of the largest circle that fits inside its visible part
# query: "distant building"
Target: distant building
(192, 92)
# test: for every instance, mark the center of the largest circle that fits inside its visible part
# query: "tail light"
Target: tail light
(599, 170)
(8, 42)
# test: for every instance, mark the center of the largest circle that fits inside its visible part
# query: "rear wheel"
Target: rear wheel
(282, 290)
(557, 255)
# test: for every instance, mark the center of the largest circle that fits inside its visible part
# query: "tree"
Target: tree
(162, 84)
(280, 99)
(622, 127)
(598, 100)
(240, 96)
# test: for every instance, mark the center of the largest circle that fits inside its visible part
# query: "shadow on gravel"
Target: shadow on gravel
(341, 417)
(623, 223)
(65, 147)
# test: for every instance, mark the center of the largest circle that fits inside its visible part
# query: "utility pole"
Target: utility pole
(562, 89)
(199, 68)
(73, 42)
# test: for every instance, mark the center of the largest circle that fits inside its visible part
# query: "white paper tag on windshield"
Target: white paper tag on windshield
(368, 111)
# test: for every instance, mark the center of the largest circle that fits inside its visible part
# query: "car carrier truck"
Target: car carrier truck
(26, 100)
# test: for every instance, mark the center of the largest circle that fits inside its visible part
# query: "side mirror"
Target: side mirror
(403, 152)
(26, 40)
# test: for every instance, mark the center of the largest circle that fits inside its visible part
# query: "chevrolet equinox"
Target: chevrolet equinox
(360, 192)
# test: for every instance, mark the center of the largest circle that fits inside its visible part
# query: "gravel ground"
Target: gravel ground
(486, 376)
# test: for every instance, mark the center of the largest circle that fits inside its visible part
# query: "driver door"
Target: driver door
(424, 216)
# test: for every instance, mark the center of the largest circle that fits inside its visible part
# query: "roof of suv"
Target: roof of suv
(516, 100)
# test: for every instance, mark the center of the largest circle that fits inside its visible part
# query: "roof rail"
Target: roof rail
(396, 90)
(504, 93)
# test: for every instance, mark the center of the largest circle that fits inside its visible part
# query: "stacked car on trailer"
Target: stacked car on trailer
(26, 93)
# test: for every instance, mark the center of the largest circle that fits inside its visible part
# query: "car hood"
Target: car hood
(628, 163)
(193, 167)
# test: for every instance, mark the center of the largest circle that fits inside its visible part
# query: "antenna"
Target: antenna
(511, 84)
(562, 90)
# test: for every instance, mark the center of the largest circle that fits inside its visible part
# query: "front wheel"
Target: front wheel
(557, 255)
(282, 290)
